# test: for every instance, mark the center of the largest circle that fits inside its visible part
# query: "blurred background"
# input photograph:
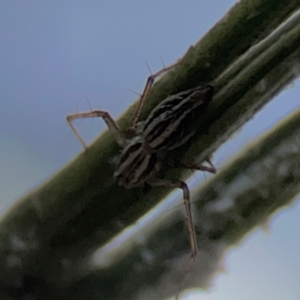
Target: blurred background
(53, 54)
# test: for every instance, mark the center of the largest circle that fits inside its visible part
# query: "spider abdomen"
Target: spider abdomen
(172, 122)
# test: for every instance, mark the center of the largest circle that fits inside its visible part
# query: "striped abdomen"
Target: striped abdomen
(171, 123)
(136, 164)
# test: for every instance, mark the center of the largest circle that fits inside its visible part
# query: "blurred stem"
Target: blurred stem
(81, 208)
(263, 178)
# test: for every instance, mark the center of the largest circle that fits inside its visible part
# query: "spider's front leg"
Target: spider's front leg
(110, 122)
(149, 84)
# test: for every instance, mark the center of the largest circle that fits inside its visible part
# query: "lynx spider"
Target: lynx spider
(138, 160)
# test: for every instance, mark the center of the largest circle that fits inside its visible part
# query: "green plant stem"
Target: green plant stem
(81, 207)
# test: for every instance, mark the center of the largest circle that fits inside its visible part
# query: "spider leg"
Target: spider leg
(111, 124)
(195, 166)
(186, 197)
(212, 169)
(146, 90)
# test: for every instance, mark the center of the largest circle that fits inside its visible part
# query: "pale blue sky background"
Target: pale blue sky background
(54, 52)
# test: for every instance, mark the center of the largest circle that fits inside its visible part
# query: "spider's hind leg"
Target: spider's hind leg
(186, 198)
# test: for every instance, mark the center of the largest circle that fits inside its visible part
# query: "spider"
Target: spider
(168, 126)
